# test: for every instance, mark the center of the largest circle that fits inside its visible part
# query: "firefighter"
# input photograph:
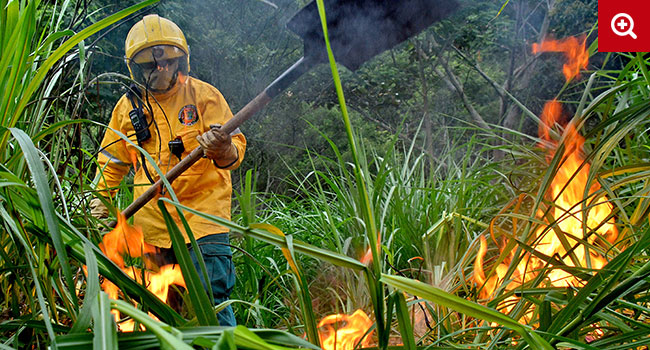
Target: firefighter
(170, 115)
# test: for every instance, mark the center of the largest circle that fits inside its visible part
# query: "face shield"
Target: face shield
(157, 67)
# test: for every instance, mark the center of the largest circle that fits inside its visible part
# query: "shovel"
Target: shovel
(358, 30)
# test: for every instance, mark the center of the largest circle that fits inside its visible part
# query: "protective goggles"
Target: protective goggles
(157, 56)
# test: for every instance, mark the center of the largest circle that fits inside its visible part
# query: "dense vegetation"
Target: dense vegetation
(376, 190)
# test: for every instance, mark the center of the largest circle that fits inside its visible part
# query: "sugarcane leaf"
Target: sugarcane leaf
(13, 65)
(287, 251)
(365, 208)
(202, 335)
(226, 341)
(104, 329)
(68, 45)
(278, 337)
(19, 235)
(263, 235)
(404, 321)
(51, 38)
(199, 298)
(303, 286)
(45, 198)
(170, 338)
(92, 290)
(247, 339)
(465, 306)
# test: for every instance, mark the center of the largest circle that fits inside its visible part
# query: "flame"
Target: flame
(567, 192)
(159, 282)
(565, 216)
(367, 257)
(126, 239)
(550, 114)
(574, 49)
(343, 332)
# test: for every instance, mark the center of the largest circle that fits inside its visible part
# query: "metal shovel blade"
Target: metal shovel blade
(361, 29)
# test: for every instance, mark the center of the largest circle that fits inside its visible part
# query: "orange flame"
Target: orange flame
(565, 215)
(367, 257)
(126, 239)
(550, 114)
(343, 332)
(574, 50)
(566, 191)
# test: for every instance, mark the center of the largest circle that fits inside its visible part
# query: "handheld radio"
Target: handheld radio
(138, 120)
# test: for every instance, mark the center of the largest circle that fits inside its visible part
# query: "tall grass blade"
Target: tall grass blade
(170, 338)
(37, 79)
(252, 339)
(19, 41)
(20, 236)
(301, 247)
(226, 342)
(39, 177)
(104, 330)
(404, 321)
(301, 283)
(466, 307)
(366, 207)
(92, 292)
(201, 302)
(377, 291)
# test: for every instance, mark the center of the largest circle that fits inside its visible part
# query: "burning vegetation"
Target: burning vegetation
(345, 332)
(576, 220)
(126, 240)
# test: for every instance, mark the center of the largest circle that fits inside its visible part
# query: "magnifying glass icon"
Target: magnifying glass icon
(623, 24)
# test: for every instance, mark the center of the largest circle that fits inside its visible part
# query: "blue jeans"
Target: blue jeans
(217, 256)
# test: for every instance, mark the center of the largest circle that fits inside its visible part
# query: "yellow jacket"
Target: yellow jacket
(189, 109)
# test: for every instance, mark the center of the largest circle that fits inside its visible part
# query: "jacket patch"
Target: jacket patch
(188, 115)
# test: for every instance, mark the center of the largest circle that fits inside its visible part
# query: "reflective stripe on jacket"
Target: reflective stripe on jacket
(189, 110)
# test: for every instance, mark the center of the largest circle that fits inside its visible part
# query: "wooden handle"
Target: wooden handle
(251, 108)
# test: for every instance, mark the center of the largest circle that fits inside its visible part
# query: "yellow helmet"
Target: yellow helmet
(154, 30)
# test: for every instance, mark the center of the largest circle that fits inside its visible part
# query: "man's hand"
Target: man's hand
(97, 209)
(217, 145)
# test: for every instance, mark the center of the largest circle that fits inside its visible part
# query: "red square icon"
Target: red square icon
(623, 25)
